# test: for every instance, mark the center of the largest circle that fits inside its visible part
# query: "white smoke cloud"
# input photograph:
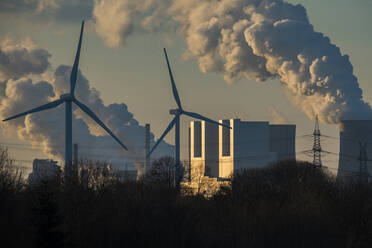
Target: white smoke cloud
(253, 39)
(46, 11)
(46, 129)
(115, 20)
(21, 59)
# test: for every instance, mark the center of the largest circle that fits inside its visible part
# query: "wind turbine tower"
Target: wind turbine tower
(176, 120)
(68, 99)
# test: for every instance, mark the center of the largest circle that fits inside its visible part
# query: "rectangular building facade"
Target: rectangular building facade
(246, 145)
(283, 141)
(220, 151)
(203, 146)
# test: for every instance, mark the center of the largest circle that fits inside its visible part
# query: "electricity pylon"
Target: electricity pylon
(317, 149)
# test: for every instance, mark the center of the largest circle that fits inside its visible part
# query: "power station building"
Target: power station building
(355, 150)
(218, 151)
(44, 169)
(203, 148)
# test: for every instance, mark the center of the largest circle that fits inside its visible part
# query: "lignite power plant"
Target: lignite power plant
(220, 151)
(226, 146)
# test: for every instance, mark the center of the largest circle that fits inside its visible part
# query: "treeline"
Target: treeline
(290, 204)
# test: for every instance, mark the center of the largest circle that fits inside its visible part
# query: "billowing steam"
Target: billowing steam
(253, 39)
(21, 59)
(18, 93)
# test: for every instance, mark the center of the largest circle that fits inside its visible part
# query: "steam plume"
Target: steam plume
(253, 39)
(21, 59)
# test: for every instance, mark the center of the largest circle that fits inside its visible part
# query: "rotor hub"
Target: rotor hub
(67, 97)
(174, 111)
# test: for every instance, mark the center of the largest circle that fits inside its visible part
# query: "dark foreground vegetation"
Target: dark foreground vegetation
(291, 204)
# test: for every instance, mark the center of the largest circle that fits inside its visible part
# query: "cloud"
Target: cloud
(22, 59)
(115, 20)
(62, 10)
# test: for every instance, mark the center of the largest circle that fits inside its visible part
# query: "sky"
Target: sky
(135, 72)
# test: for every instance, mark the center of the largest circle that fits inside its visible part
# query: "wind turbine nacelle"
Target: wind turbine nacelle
(67, 97)
(174, 111)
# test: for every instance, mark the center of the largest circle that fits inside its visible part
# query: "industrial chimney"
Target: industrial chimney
(352, 134)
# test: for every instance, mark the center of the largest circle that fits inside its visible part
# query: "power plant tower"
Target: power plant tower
(68, 99)
(176, 120)
(203, 145)
(317, 149)
(354, 151)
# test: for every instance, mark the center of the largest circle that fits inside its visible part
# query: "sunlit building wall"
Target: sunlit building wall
(217, 151)
(204, 149)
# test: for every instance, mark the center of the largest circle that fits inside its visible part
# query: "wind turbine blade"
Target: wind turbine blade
(203, 118)
(75, 68)
(41, 108)
(99, 122)
(174, 89)
(170, 126)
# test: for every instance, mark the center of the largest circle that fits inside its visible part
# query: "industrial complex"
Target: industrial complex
(217, 151)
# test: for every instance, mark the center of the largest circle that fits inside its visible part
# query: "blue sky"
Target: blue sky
(136, 75)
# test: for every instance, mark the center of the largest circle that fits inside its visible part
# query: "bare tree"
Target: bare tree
(163, 171)
(200, 183)
(10, 177)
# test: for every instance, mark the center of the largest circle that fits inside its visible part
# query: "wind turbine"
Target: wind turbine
(68, 99)
(176, 120)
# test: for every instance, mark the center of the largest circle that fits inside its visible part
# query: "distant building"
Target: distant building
(204, 149)
(218, 152)
(245, 145)
(353, 135)
(44, 169)
(283, 141)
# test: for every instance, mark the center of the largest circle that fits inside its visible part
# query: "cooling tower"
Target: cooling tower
(352, 132)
